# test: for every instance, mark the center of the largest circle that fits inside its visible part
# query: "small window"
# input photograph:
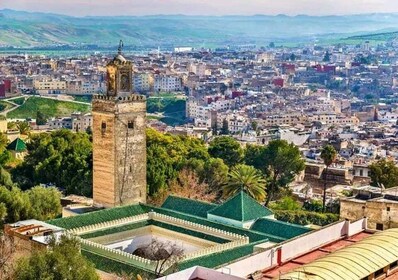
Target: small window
(379, 226)
(103, 127)
(388, 209)
(131, 169)
(130, 124)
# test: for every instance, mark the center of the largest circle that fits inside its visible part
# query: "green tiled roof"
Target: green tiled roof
(241, 207)
(278, 228)
(188, 206)
(18, 145)
(100, 216)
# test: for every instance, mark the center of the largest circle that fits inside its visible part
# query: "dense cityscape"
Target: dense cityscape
(241, 161)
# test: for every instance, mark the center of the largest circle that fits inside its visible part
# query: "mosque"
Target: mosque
(237, 237)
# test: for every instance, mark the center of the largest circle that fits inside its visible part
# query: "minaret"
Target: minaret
(119, 140)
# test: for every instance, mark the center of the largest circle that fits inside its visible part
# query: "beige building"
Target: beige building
(381, 209)
(49, 86)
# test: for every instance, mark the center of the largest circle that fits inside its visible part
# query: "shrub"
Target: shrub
(305, 218)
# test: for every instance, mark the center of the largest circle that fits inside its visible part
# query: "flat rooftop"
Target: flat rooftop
(314, 255)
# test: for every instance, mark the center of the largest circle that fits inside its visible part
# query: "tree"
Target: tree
(254, 155)
(188, 185)
(271, 45)
(61, 261)
(5, 178)
(38, 203)
(224, 128)
(45, 202)
(254, 125)
(281, 163)
(17, 204)
(329, 155)
(326, 58)
(23, 127)
(215, 173)
(226, 148)
(61, 158)
(168, 154)
(292, 57)
(286, 203)
(41, 119)
(163, 253)
(245, 178)
(384, 173)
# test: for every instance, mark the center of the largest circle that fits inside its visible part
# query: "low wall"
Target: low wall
(293, 248)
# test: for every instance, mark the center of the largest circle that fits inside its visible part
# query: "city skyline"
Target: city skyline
(202, 7)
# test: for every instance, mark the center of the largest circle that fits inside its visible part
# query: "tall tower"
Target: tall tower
(119, 141)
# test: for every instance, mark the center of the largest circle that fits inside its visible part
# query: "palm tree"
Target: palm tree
(329, 155)
(23, 127)
(245, 178)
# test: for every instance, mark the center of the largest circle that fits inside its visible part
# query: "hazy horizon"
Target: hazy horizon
(202, 7)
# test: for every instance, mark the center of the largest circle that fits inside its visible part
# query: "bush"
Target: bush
(305, 218)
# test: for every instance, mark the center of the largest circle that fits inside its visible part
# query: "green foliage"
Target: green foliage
(53, 108)
(18, 101)
(41, 119)
(5, 178)
(38, 203)
(254, 155)
(313, 206)
(384, 173)
(306, 218)
(17, 203)
(215, 173)
(45, 202)
(281, 163)
(328, 155)
(245, 178)
(3, 212)
(172, 108)
(62, 261)
(61, 158)
(286, 203)
(168, 154)
(226, 148)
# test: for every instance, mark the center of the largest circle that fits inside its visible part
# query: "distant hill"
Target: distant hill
(23, 29)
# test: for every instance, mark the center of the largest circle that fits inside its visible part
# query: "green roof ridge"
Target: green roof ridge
(241, 207)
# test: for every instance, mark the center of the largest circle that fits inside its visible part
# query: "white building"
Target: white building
(167, 83)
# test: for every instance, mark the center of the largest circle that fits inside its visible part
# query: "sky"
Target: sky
(202, 7)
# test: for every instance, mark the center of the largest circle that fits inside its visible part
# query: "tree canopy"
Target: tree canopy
(62, 261)
(248, 179)
(384, 173)
(226, 148)
(37, 203)
(279, 161)
(61, 158)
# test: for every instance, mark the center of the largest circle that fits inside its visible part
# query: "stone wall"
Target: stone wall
(377, 211)
(119, 150)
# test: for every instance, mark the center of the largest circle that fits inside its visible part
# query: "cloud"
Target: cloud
(202, 7)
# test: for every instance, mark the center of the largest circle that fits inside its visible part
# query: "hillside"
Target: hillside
(52, 108)
(23, 29)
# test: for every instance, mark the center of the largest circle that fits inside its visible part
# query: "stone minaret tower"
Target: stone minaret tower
(119, 142)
